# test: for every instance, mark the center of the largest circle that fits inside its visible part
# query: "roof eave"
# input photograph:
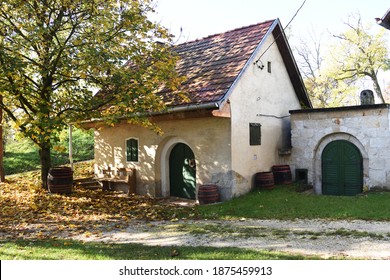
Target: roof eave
(385, 20)
(169, 110)
(384, 24)
(339, 109)
(291, 65)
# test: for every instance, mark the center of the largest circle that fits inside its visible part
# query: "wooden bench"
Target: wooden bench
(126, 177)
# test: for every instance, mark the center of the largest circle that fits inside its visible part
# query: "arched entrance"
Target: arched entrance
(182, 171)
(342, 169)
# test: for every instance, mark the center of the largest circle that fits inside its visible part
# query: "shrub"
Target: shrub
(22, 155)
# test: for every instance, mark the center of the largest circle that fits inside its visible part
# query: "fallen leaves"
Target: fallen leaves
(28, 211)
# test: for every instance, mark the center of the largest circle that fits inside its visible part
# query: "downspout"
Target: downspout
(192, 107)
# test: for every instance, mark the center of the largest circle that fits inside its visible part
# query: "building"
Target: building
(241, 85)
(343, 149)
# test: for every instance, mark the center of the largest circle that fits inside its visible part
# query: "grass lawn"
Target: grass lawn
(283, 202)
(72, 250)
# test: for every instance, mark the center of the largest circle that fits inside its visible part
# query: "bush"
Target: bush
(83, 144)
(22, 154)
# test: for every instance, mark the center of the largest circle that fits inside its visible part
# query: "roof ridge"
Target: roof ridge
(225, 32)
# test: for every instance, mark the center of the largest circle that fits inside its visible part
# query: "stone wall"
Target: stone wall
(367, 127)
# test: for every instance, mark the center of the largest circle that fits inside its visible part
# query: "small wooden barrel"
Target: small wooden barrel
(60, 180)
(282, 174)
(264, 180)
(208, 194)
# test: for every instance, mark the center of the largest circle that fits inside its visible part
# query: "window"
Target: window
(255, 134)
(131, 150)
(269, 66)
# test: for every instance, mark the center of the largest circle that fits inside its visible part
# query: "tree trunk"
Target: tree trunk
(2, 175)
(44, 154)
(377, 88)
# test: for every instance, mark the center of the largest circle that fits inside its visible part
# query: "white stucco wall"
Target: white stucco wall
(221, 145)
(265, 98)
(366, 127)
(209, 139)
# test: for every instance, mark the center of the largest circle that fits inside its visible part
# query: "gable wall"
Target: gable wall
(209, 139)
(265, 98)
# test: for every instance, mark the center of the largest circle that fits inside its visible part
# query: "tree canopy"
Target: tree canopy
(361, 53)
(320, 77)
(332, 75)
(55, 55)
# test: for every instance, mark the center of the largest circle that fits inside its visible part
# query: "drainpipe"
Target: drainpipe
(191, 107)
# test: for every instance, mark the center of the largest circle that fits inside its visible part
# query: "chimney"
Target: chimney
(367, 97)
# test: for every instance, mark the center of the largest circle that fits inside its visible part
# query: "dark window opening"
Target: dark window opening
(255, 134)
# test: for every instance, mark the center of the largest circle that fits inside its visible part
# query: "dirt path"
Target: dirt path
(352, 239)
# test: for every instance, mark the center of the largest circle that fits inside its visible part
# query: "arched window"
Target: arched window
(131, 150)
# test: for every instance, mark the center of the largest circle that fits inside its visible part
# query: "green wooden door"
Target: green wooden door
(342, 169)
(182, 172)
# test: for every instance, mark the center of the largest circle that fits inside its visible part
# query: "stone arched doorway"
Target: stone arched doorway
(342, 169)
(163, 165)
(322, 144)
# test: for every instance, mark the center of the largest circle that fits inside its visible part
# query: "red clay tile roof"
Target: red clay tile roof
(212, 64)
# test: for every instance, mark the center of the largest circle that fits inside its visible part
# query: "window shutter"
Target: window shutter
(254, 134)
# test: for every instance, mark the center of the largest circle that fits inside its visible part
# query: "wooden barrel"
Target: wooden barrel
(60, 180)
(282, 174)
(208, 194)
(264, 180)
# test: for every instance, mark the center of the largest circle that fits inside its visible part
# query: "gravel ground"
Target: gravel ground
(350, 239)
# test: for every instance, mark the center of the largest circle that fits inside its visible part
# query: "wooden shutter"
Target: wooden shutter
(254, 134)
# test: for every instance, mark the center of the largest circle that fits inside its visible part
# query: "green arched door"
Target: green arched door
(342, 169)
(182, 172)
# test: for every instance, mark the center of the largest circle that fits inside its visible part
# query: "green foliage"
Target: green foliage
(325, 90)
(82, 142)
(22, 155)
(322, 85)
(360, 53)
(54, 55)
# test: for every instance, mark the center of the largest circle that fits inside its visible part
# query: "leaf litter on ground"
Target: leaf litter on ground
(27, 211)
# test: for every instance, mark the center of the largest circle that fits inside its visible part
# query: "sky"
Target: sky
(323, 18)
(200, 18)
